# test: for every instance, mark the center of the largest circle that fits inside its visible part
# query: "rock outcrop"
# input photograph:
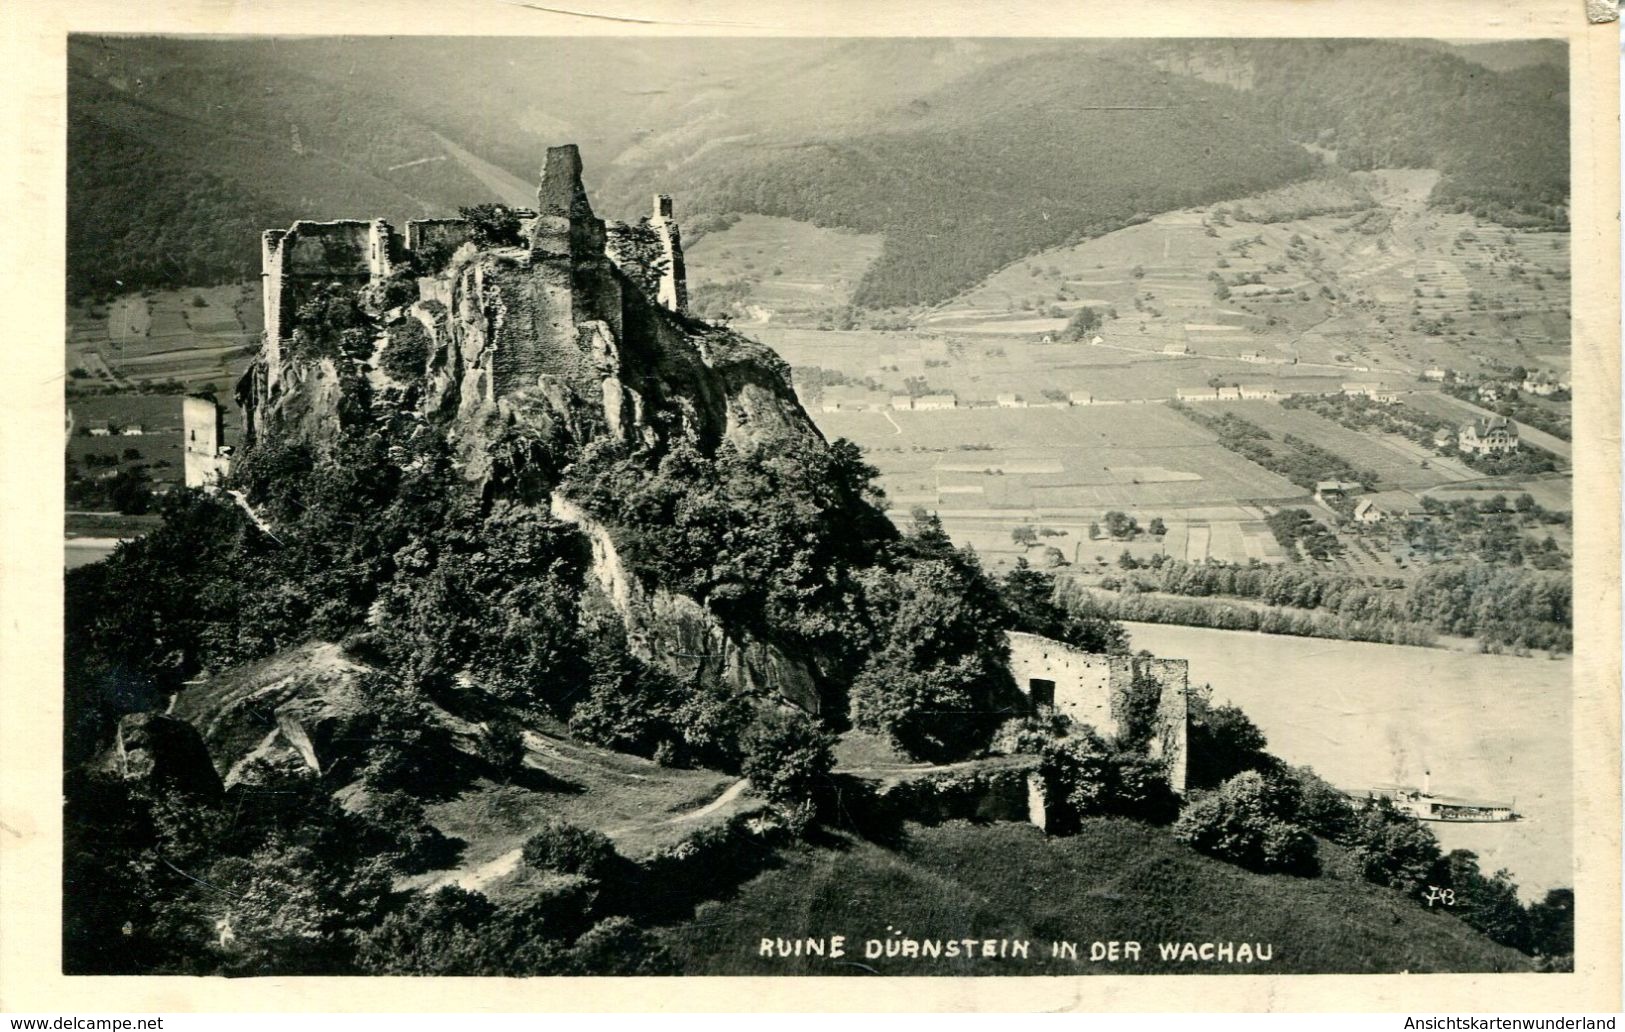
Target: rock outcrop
(532, 333)
(568, 328)
(163, 751)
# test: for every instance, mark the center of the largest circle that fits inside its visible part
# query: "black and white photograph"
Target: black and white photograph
(945, 506)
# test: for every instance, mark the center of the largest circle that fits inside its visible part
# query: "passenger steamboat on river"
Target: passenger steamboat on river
(1424, 805)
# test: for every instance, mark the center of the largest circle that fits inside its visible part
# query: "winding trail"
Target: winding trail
(475, 879)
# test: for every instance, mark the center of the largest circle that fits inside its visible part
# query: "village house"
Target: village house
(935, 402)
(1259, 392)
(1196, 394)
(1331, 493)
(1435, 374)
(1254, 356)
(901, 402)
(1011, 401)
(1175, 347)
(1543, 384)
(1442, 437)
(1488, 437)
(1229, 393)
(1080, 398)
(1366, 511)
(1389, 505)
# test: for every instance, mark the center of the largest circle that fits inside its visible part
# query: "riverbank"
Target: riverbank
(1486, 726)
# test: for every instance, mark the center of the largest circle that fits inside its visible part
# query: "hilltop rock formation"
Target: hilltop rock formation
(522, 337)
(562, 325)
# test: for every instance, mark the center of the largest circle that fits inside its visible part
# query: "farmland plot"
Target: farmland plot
(1066, 462)
(1396, 466)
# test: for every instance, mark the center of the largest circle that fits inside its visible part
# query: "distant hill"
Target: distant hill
(1505, 55)
(1026, 155)
(964, 154)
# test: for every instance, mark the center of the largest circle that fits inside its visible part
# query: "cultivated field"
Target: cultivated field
(1387, 290)
(987, 471)
(978, 370)
(1397, 462)
(159, 336)
(797, 269)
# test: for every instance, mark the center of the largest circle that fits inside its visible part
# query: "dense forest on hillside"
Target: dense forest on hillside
(1025, 156)
(180, 154)
(1501, 139)
(141, 217)
(966, 155)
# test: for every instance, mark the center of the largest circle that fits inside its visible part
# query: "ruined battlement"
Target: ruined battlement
(1090, 688)
(567, 247)
(563, 226)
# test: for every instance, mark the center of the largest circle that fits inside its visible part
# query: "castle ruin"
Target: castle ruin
(562, 235)
(1091, 689)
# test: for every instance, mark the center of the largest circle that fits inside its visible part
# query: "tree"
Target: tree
(1121, 525)
(564, 847)
(1222, 743)
(787, 757)
(1083, 322)
(501, 743)
(938, 681)
(1551, 924)
(1094, 530)
(1157, 528)
(1322, 809)
(1395, 849)
(492, 225)
(1024, 535)
(1250, 821)
(1489, 904)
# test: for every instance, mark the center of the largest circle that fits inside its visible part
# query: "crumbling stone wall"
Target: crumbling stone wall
(202, 435)
(1089, 688)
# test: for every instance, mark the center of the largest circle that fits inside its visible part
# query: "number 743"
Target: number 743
(1435, 894)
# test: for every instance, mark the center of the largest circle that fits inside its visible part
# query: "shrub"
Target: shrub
(1031, 734)
(405, 835)
(1087, 777)
(1249, 821)
(492, 225)
(501, 744)
(439, 934)
(616, 946)
(564, 847)
(1395, 849)
(787, 757)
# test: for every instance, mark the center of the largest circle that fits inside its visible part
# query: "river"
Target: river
(1489, 727)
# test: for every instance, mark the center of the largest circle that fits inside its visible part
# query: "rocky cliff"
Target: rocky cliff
(555, 325)
(522, 337)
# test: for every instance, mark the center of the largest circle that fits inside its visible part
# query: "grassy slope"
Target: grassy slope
(1116, 880)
